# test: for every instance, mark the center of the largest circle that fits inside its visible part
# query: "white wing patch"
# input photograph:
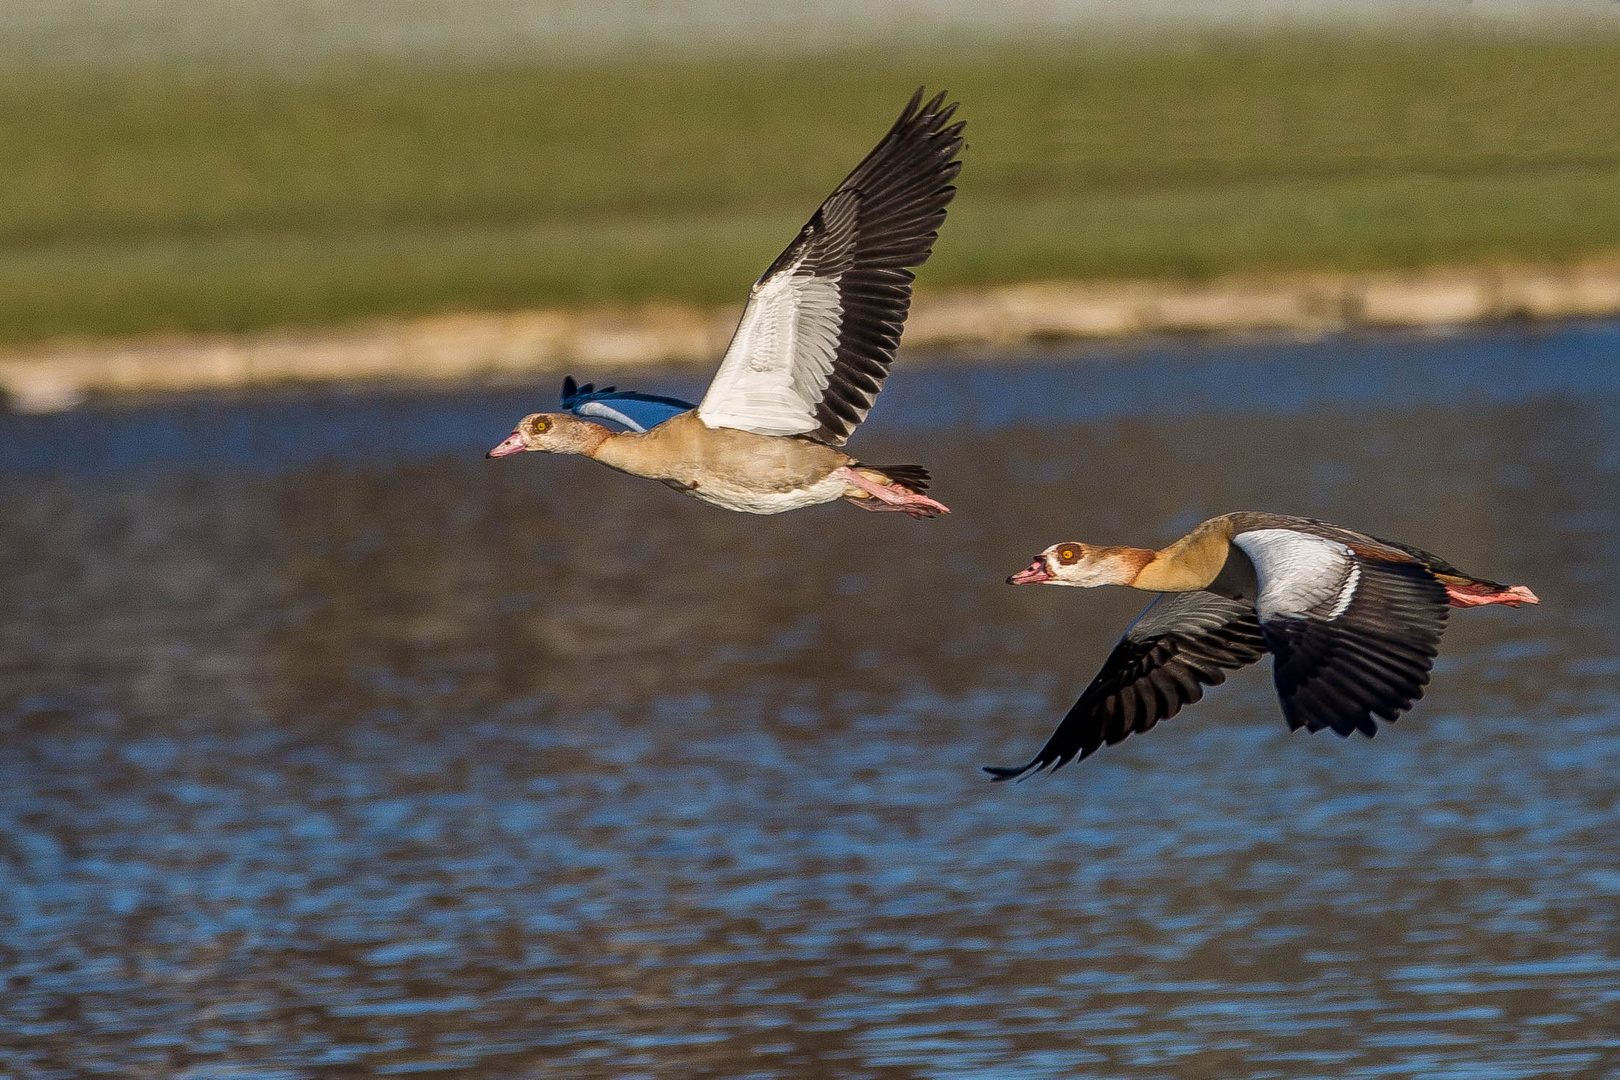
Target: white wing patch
(1347, 592)
(778, 364)
(596, 408)
(1299, 573)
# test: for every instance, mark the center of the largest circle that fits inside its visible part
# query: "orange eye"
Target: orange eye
(539, 426)
(1066, 554)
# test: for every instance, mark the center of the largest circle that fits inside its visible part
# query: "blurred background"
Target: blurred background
(225, 166)
(328, 748)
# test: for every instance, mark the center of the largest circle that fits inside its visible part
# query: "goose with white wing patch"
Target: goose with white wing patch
(808, 359)
(1353, 623)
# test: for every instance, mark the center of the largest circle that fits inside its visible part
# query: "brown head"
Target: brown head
(1084, 566)
(555, 433)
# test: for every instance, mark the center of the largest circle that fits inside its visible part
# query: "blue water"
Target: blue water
(328, 748)
(1165, 379)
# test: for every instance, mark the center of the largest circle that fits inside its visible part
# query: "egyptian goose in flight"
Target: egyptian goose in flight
(1352, 621)
(808, 358)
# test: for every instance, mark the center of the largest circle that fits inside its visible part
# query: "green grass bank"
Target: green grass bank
(185, 199)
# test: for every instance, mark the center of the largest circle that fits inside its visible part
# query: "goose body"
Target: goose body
(1353, 623)
(733, 469)
(808, 358)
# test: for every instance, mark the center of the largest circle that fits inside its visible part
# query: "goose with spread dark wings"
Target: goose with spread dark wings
(809, 357)
(1352, 622)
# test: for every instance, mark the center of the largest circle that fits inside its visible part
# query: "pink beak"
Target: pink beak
(512, 445)
(1036, 573)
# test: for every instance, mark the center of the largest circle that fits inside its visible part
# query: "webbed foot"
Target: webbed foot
(871, 495)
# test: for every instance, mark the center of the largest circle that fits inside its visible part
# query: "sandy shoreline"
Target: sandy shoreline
(53, 376)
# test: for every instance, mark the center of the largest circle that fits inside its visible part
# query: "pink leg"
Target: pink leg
(1481, 595)
(889, 496)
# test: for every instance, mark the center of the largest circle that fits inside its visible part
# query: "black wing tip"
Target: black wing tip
(574, 394)
(1346, 717)
(933, 114)
(915, 105)
(1343, 728)
(1041, 764)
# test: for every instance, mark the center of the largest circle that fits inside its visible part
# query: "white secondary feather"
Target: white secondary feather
(1299, 573)
(777, 366)
(596, 408)
(1347, 592)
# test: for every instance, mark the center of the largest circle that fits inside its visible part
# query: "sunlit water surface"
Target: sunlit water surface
(328, 748)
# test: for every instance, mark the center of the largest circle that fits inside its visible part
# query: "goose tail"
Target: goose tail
(913, 478)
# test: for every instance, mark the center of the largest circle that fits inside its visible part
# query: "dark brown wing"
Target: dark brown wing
(1182, 643)
(1354, 635)
(818, 336)
(1440, 567)
(1369, 663)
